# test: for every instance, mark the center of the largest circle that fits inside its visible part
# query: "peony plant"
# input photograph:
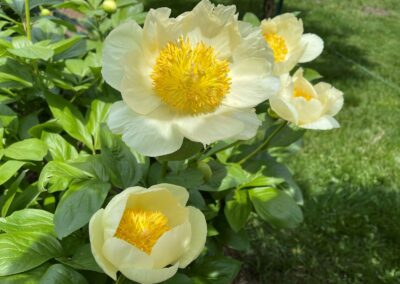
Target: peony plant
(139, 144)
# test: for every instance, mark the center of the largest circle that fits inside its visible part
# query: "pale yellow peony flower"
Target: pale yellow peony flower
(147, 234)
(198, 76)
(284, 35)
(305, 105)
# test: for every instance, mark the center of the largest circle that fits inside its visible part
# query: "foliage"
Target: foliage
(60, 163)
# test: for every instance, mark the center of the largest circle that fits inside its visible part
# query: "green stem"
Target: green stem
(28, 20)
(264, 145)
(120, 279)
(212, 152)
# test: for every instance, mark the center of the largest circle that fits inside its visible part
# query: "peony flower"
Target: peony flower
(198, 76)
(146, 234)
(284, 35)
(306, 105)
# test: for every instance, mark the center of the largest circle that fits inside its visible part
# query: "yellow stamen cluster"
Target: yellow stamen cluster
(301, 93)
(190, 79)
(278, 45)
(142, 228)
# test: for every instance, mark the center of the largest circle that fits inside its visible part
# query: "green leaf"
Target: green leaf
(93, 165)
(32, 276)
(21, 251)
(179, 278)
(56, 170)
(121, 165)
(25, 198)
(26, 123)
(216, 270)
(8, 118)
(59, 148)
(28, 220)
(70, 118)
(9, 195)
(189, 178)
(8, 169)
(251, 19)
(97, 114)
(187, 150)
(236, 240)
(276, 207)
(32, 52)
(82, 259)
(311, 74)
(62, 274)
(31, 149)
(78, 204)
(65, 44)
(14, 74)
(237, 209)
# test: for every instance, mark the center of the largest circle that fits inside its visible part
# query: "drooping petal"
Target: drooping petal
(96, 235)
(118, 43)
(171, 245)
(199, 235)
(284, 109)
(331, 97)
(323, 123)
(141, 132)
(121, 253)
(313, 46)
(149, 276)
(179, 192)
(250, 119)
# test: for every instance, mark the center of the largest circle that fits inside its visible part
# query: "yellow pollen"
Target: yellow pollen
(278, 46)
(142, 228)
(190, 79)
(300, 93)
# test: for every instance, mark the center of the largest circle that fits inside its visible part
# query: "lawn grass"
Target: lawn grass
(350, 176)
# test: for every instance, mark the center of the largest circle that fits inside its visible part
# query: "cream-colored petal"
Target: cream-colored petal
(284, 109)
(180, 193)
(330, 97)
(121, 253)
(290, 62)
(115, 209)
(141, 132)
(313, 46)
(118, 43)
(323, 123)
(149, 276)
(308, 111)
(209, 128)
(171, 245)
(250, 120)
(96, 244)
(199, 235)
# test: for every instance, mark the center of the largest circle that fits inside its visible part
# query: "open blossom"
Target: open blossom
(284, 35)
(305, 105)
(147, 234)
(198, 76)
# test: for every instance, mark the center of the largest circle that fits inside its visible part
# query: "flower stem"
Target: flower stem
(28, 20)
(264, 145)
(120, 279)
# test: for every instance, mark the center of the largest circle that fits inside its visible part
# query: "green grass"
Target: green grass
(350, 176)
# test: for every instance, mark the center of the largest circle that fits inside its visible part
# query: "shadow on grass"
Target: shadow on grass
(349, 236)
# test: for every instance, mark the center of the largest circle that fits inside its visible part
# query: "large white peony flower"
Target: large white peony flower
(284, 35)
(147, 234)
(198, 76)
(305, 105)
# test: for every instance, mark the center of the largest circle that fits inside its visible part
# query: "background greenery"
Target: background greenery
(350, 177)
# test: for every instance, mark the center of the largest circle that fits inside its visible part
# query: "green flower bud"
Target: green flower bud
(109, 6)
(45, 12)
(205, 169)
(272, 114)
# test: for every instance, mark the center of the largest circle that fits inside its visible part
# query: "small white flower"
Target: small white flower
(284, 35)
(147, 234)
(198, 76)
(305, 105)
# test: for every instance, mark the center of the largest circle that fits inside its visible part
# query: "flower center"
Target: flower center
(142, 228)
(301, 93)
(190, 79)
(278, 46)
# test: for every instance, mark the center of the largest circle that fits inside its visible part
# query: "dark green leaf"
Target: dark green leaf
(21, 251)
(237, 209)
(78, 204)
(216, 270)
(179, 278)
(187, 150)
(82, 259)
(97, 114)
(32, 276)
(62, 274)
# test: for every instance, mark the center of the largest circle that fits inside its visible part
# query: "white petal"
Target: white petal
(209, 128)
(199, 235)
(152, 135)
(149, 276)
(313, 47)
(179, 192)
(331, 97)
(96, 243)
(171, 245)
(308, 111)
(323, 123)
(121, 253)
(121, 40)
(284, 109)
(251, 121)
